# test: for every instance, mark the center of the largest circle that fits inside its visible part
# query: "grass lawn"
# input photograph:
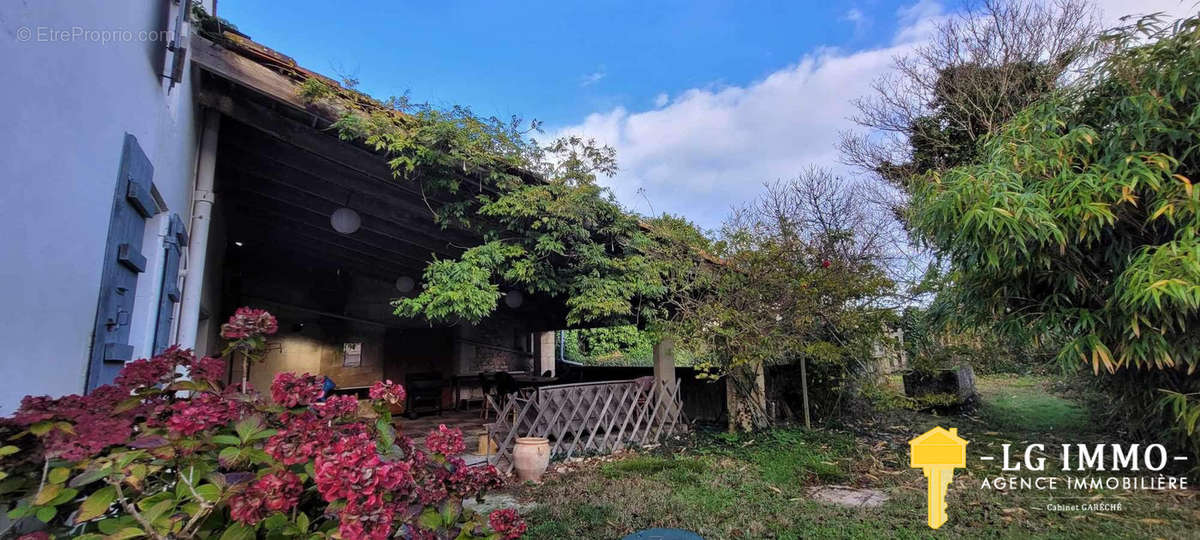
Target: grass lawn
(754, 486)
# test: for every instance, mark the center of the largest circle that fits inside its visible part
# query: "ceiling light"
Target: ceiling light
(345, 220)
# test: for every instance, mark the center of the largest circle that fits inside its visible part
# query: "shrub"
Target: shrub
(159, 455)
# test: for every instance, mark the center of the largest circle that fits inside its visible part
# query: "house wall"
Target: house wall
(69, 104)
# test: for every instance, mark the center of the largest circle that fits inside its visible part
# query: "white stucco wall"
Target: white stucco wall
(67, 105)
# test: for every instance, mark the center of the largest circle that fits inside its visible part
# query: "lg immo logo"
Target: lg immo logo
(938, 452)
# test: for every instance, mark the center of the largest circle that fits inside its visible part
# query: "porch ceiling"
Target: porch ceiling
(282, 171)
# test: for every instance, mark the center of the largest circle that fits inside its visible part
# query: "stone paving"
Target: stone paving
(848, 496)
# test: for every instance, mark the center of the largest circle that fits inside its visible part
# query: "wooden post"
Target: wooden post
(544, 360)
(664, 363)
(804, 389)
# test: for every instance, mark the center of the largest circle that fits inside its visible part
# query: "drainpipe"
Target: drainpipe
(202, 203)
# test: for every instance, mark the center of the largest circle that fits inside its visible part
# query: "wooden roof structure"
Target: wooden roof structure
(282, 170)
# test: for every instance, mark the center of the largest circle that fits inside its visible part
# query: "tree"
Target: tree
(981, 67)
(1081, 220)
(799, 277)
(931, 113)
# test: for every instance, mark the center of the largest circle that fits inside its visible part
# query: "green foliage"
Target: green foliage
(802, 275)
(625, 345)
(936, 401)
(315, 89)
(950, 134)
(885, 395)
(931, 343)
(1081, 219)
(547, 227)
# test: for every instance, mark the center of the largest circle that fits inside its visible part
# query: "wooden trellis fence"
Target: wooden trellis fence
(587, 418)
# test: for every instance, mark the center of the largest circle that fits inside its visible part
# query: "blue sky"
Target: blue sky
(704, 101)
(556, 61)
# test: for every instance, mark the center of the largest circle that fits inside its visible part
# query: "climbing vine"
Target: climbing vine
(546, 226)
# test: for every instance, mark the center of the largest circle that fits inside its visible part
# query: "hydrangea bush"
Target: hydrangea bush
(160, 455)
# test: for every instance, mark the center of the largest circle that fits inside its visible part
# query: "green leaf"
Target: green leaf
(262, 434)
(9, 485)
(8, 450)
(430, 519)
(209, 492)
(127, 404)
(96, 504)
(22, 510)
(386, 433)
(91, 475)
(275, 522)
(238, 531)
(229, 455)
(227, 440)
(47, 494)
(41, 428)
(248, 426)
(58, 475)
(46, 514)
(64, 496)
(154, 512)
(451, 509)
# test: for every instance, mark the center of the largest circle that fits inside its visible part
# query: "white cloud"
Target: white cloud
(856, 17)
(592, 78)
(1112, 10)
(707, 149)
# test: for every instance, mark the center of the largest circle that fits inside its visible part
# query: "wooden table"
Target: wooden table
(524, 380)
(534, 381)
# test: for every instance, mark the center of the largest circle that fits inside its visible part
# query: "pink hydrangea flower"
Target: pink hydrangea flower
(145, 372)
(507, 522)
(337, 407)
(352, 470)
(248, 506)
(93, 426)
(445, 441)
(387, 391)
(291, 390)
(209, 369)
(247, 322)
(299, 440)
(281, 490)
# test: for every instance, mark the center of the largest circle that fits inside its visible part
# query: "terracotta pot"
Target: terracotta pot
(531, 457)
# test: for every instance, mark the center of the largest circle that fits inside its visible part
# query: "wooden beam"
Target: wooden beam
(317, 222)
(323, 144)
(406, 213)
(324, 207)
(246, 72)
(297, 235)
(282, 252)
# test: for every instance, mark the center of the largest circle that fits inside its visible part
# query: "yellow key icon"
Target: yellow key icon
(938, 452)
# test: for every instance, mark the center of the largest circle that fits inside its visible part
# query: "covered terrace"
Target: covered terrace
(317, 230)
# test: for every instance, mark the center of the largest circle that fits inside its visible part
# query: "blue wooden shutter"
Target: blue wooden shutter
(177, 239)
(123, 262)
